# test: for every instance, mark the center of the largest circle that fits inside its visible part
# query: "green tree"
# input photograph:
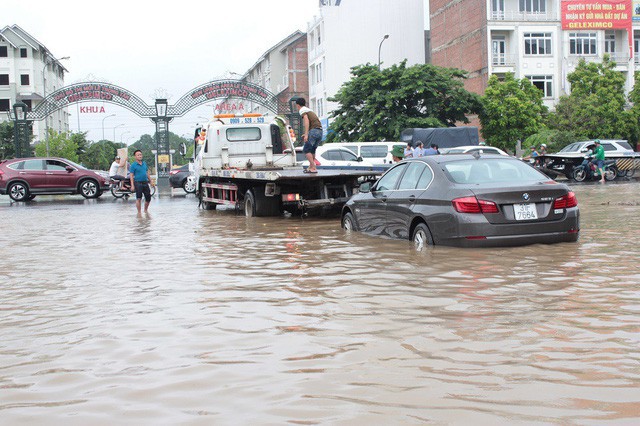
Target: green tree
(512, 110)
(378, 104)
(7, 148)
(596, 107)
(100, 155)
(60, 145)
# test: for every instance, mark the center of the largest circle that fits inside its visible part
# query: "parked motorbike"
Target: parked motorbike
(125, 190)
(588, 170)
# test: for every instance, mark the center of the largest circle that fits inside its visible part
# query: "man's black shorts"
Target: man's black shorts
(142, 188)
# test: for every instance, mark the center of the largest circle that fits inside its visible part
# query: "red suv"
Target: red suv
(24, 178)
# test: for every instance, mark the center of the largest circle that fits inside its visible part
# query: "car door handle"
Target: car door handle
(48, 173)
(412, 198)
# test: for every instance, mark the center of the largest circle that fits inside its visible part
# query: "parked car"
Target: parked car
(328, 156)
(572, 155)
(182, 177)
(460, 200)
(24, 178)
(470, 149)
(377, 153)
(612, 146)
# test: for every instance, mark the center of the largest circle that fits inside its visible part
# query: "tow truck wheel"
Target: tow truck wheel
(249, 204)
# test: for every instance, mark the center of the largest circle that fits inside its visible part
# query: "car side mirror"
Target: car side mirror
(584, 150)
(360, 159)
(183, 149)
(69, 169)
(365, 187)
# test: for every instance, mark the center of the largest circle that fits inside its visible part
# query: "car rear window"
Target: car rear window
(244, 134)
(491, 171)
(625, 145)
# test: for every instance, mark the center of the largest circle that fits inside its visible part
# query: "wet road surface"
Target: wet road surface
(205, 317)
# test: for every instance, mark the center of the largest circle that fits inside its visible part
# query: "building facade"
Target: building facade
(28, 72)
(282, 70)
(347, 33)
(530, 38)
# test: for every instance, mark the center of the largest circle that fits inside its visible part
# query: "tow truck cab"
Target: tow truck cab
(246, 141)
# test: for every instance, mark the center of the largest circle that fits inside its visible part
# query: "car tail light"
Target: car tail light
(566, 201)
(290, 197)
(473, 205)
(174, 172)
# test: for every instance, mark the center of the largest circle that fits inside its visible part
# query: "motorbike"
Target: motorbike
(125, 189)
(588, 170)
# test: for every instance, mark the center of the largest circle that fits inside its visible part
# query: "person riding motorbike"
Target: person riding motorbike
(119, 171)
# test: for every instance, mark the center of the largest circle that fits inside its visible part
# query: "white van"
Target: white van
(376, 153)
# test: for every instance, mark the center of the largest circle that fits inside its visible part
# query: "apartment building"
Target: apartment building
(28, 72)
(542, 40)
(346, 33)
(282, 70)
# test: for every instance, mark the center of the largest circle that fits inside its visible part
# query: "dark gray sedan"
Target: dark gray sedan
(467, 201)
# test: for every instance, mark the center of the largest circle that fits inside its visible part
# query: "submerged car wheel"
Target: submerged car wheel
(349, 222)
(421, 237)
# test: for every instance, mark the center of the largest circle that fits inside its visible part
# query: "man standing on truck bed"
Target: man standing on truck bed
(312, 133)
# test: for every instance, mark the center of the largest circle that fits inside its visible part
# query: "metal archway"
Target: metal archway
(161, 113)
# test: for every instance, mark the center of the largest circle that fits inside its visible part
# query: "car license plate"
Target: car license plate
(525, 211)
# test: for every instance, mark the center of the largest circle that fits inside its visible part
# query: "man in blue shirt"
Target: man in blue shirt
(140, 179)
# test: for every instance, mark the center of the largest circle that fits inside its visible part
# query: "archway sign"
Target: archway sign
(161, 113)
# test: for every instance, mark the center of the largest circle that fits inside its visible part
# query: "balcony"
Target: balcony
(503, 59)
(516, 15)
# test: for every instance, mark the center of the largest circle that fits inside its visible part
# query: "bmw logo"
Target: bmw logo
(525, 196)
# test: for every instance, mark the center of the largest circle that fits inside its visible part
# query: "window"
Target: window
(348, 156)
(319, 72)
(390, 178)
(3, 52)
(332, 155)
(319, 38)
(32, 165)
(374, 151)
(23, 52)
(533, 6)
(537, 43)
(544, 83)
(413, 177)
(244, 134)
(4, 104)
(24, 79)
(582, 43)
(4, 79)
(610, 42)
(320, 107)
(56, 165)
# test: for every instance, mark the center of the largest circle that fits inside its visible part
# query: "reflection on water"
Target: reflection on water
(192, 316)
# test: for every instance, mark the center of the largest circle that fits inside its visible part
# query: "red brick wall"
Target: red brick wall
(459, 39)
(298, 71)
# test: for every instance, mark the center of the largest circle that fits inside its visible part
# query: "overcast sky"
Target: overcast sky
(150, 46)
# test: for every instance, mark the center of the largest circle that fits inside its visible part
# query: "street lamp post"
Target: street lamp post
(114, 131)
(47, 60)
(122, 134)
(20, 138)
(386, 36)
(110, 115)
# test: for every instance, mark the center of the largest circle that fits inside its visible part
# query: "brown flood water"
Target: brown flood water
(206, 317)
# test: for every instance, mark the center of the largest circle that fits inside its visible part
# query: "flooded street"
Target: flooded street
(206, 317)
